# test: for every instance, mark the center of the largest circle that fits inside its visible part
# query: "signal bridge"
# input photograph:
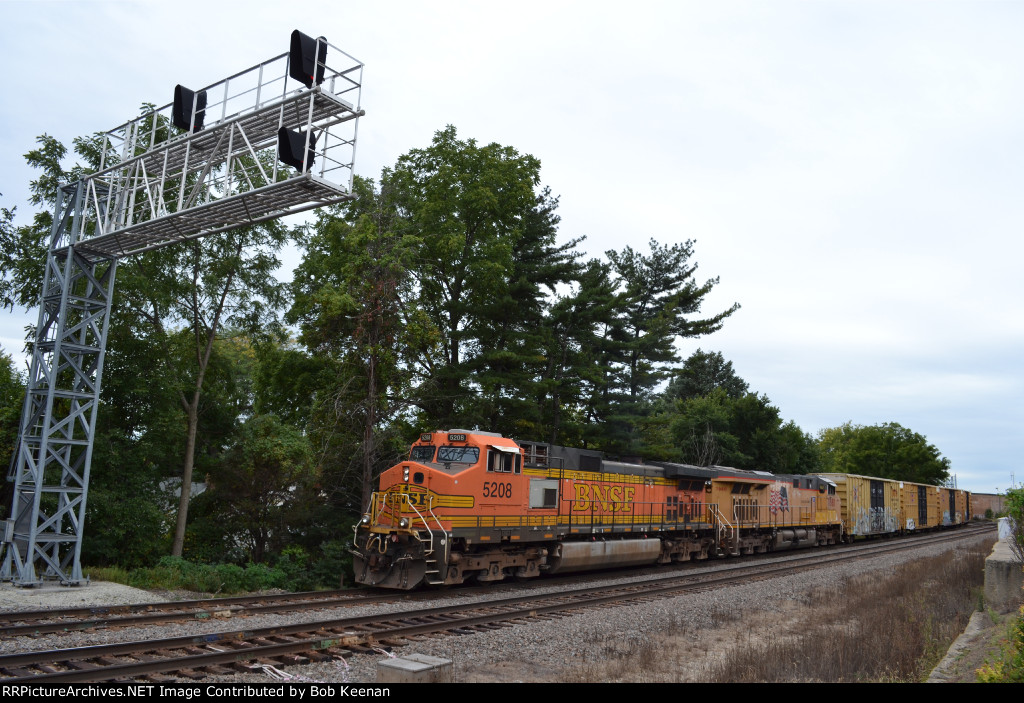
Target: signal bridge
(276, 139)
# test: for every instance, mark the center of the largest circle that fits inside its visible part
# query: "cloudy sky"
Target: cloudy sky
(850, 171)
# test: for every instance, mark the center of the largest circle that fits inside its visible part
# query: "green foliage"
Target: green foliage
(334, 567)
(512, 358)
(174, 573)
(1010, 667)
(485, 252)
(352, 302)
(701, 374)
(295, 570)
(439, 297)
(576, 346)
(126, 515)
(12, 396)
(744, 432)
(657, 305)
(257, 483)
(888, 450)
(1014, 507)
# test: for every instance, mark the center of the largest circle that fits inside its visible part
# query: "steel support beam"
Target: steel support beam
(157, 185)
(51, 469)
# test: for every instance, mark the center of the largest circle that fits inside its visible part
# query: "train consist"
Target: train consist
(469, 504)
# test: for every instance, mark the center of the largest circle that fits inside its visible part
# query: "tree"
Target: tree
(468, 206)
(10, 241)
(1015, 511)
(352, 293)
(703, 372)
(259, 481)
(701, 430)
(12, 396)
(888, 450)
(574, 332)
(511, 328)
(659, 300)
(745, 432)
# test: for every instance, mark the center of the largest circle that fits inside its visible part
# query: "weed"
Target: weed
(891, 627)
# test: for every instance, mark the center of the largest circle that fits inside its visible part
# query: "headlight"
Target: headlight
(405, 474)
(403, 523)
(365, 520)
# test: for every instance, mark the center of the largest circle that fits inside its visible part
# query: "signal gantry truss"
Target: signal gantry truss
(209, 162)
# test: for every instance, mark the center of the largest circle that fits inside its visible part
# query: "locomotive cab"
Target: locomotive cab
(451, 479)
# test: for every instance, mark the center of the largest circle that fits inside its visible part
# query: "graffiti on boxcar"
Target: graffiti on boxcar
(874, 520)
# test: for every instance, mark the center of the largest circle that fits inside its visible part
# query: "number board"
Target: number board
(456, 438)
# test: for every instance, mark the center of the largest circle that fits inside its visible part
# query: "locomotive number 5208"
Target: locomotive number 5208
(494, 489)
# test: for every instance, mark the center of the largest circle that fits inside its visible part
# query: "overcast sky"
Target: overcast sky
(850, 171)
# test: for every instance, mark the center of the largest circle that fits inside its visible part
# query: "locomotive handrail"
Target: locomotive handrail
(721, 522)
(430, 510)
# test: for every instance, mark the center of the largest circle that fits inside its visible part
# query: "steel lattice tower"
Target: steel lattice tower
(209, 162)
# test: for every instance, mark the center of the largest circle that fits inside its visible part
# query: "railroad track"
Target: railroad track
(227, 652)
(68, 620)
(39, 622)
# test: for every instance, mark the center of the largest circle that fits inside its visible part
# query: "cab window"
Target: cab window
(461, 455)
(422, 453)
(504, 462)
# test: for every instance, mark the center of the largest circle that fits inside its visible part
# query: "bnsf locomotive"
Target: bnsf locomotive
(469, 504)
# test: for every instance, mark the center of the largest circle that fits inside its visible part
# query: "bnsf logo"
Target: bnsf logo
(418, 500)
(617, 499)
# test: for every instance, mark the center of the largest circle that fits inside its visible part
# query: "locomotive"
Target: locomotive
(476, 505)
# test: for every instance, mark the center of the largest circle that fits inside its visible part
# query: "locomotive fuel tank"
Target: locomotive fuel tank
(586, 556)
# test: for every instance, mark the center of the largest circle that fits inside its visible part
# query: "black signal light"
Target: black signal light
(289, 148)
(181, 114)
(307, 58)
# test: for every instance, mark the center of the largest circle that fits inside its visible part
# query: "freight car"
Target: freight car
(872, 507)
(469, 504)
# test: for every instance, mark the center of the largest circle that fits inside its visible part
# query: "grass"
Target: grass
(891, 627)
(1009, 665)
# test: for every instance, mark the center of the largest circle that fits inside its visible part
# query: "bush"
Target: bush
(334, 568)
(295, 570)
(294, 563)
(1011, 668)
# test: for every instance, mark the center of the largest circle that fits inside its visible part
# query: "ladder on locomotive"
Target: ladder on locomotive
(434, 561)
(725, 532)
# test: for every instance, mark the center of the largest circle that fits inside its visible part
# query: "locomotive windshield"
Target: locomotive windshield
(463, 455)
(422, 453)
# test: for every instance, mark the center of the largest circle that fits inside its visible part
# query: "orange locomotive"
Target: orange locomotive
(469, 504)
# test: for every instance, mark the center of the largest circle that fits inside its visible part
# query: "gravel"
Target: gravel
(539, 650)
(97, 593)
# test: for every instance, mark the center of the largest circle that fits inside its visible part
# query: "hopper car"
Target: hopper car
(472, 505)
